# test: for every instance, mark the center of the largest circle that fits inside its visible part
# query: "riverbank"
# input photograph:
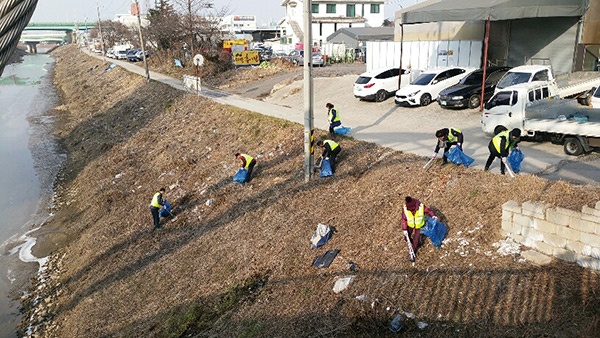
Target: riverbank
(235, 260)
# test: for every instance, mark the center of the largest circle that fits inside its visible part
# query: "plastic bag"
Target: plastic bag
(326, 168)
(320, 236)
(514, 159)
(166, 211)
(341, 130)
(240, 175)
(456, 156)
(435, 230)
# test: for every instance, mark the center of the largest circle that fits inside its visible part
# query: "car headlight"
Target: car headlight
(457, 97)
(413, 94)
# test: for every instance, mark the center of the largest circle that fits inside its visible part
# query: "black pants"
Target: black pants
(332, 156)
(155, 216)
(494, 154)
(250, 168)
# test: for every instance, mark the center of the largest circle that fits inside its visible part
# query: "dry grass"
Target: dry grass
(235, 261)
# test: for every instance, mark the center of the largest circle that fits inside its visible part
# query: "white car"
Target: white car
(428, 85)
(379, 84)
(595, 98)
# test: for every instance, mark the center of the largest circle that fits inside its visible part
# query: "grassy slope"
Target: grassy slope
(235, 261)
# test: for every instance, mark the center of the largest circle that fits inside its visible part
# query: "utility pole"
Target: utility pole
(309, 133)
(100, 31)
(139, 17)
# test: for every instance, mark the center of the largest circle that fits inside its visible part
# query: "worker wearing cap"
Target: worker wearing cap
(333, 118)
(448, 137)
(330, 149)
(413, 219)
(156, 204)
(248, 162)
(501, 145)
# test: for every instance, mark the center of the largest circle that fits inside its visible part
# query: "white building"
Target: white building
(328, 16)
(235, 24)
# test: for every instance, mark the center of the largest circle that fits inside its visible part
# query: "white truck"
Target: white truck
(569, 85)
(542, 117)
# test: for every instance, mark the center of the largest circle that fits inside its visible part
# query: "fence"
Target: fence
(565, 234)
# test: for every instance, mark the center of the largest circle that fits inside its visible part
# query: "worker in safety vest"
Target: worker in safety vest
(331, 149)
(248, 162)
(447, 138)
(413, 219)
(333, 117)
(501, 145)
(156, 204)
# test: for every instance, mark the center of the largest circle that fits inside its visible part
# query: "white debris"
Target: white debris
(422, 325)
(209, 202)
(119, 175)
(507, 247)
(341, 284)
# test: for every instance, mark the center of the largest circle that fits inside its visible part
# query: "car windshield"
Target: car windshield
(472, 79)
(423, 79)
(513, 78)
(363, 80)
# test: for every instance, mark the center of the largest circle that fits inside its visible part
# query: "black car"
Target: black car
(467, 93)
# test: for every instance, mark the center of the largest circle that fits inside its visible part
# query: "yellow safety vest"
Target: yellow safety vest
(248, 159)
(452, 138)
(496, 140)
(154, 202)
(332, 144)
(337, 116)
(416, 220)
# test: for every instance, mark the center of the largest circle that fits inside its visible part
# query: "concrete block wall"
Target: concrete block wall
(565, 234)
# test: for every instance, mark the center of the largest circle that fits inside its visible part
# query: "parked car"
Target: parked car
(131, 55)
(379, 84)
(139, 56)
(428, 85)
(121, 54)
(467, 93)
(110, 53)
(296, 57)
(595, 98)
(317, 60)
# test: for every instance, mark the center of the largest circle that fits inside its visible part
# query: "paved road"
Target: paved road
(406, 129)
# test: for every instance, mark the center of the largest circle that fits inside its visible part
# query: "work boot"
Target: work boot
(486, 169)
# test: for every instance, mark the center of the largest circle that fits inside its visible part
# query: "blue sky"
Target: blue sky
(78, 10)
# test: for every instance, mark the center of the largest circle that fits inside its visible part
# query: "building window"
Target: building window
(315, 8)
(350, 12)
(331, 8)
(374, 8)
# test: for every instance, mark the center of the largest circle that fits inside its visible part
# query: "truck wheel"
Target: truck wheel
(381, 95)
(573, 146)
(474, 101)
(425, 100)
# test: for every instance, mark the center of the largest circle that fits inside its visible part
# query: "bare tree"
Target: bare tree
(164, 30)
(115, 33)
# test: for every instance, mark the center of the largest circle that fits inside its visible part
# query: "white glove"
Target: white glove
(404, 233)
(434, 217)
(434, 155)
(503, 160)
(459, 145)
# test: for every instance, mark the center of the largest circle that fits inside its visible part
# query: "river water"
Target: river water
(30, 161)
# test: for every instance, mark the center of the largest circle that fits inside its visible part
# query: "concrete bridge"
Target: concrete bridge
(31, 39)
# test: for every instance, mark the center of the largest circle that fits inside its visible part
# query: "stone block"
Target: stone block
(568, 233)
(590, 211)
(533, 234)
(507, 225)
(575, 246)
(561, 216)
(512, 206)
(583, 226)
(544, 226)
(588, 262)
(565, 255)
(534, 209)
(518, 238)
(544, 248)
(555, 240)
(507, 215)
(523, 221)
(591, 240)
(590, 218)
(536, 257)
(598, 205)
(505, 233)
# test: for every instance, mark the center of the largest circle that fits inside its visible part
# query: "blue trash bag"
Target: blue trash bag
(341, 130)
(240, 176)
(320, 236)
(166, 211)
(514, 159)
(326, 168)
(435, 230)
(456, 156)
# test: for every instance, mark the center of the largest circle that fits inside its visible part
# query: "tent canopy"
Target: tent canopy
(496, 10)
